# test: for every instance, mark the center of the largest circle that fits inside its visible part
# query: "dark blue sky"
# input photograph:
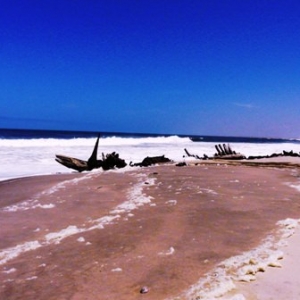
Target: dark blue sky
(161, 66)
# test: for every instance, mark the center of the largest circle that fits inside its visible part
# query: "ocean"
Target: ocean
(32, 152)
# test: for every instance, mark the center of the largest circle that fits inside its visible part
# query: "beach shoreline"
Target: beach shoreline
(279, 282)
(164, 227)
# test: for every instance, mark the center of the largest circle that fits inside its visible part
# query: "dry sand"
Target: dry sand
(279, 283)
(106, 235)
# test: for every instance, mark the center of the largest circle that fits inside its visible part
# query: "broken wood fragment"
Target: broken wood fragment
(148, 161)
(225, 152)
(108, 161)
(112, 160)
(191, 155)
(72, 163)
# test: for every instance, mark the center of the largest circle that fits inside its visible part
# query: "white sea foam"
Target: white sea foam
(171, 202)
(81, 239)
(13, 252)
(27, 205)
(170, 251)
(12, 270)
(208, 191)
(294, 186)
(56, 237)
(32, 278)
(101, 222)
(34, 203)
(136, 198)
(117, 270)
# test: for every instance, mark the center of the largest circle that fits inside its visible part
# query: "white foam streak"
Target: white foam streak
(171, 251)
(13, 252)
(136, 198)
(101, 222)
(295, 186)
(34, 203)
(57, 237)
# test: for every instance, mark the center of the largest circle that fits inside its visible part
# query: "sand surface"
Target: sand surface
(278, 283)
(106, 235)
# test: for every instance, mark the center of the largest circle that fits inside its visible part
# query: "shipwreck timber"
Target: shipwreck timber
(109, 161)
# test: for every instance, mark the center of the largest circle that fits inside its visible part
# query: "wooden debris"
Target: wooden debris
(284, 153)
(191, 155)
(148, 161)
(112, 160)
(109, 161)
(72, 163)
(225, 152)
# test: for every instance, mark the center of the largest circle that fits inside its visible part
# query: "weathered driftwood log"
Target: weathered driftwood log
(92, 161)
(228, 149)
(148, 161)
(191, 155)
(195, 155)
(81, 165)
(291, 153)
(72, 163)
(284, 153)
(225, 152)
(109, 161)
(112, 160)
(220, 151)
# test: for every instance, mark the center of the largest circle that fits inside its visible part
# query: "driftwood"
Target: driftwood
(284, 153)
(73, 163)
(225, 152)
(148, 161)
(191, 155)
(112, 160)
(195, 155)
(109, 161)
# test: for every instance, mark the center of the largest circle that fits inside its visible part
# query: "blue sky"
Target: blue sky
(169, 66)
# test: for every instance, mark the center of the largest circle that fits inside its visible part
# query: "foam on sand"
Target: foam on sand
(34, 202)
(219, 282)
(13, 252)
(57, 237)
(135, 196)
(168, 252)
(295, 186)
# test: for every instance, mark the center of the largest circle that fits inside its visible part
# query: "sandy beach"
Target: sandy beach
(190, 232)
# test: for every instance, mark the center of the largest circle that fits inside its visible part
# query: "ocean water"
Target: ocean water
(32, 152)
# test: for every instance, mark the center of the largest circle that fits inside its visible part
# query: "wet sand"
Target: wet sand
(106, 235)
